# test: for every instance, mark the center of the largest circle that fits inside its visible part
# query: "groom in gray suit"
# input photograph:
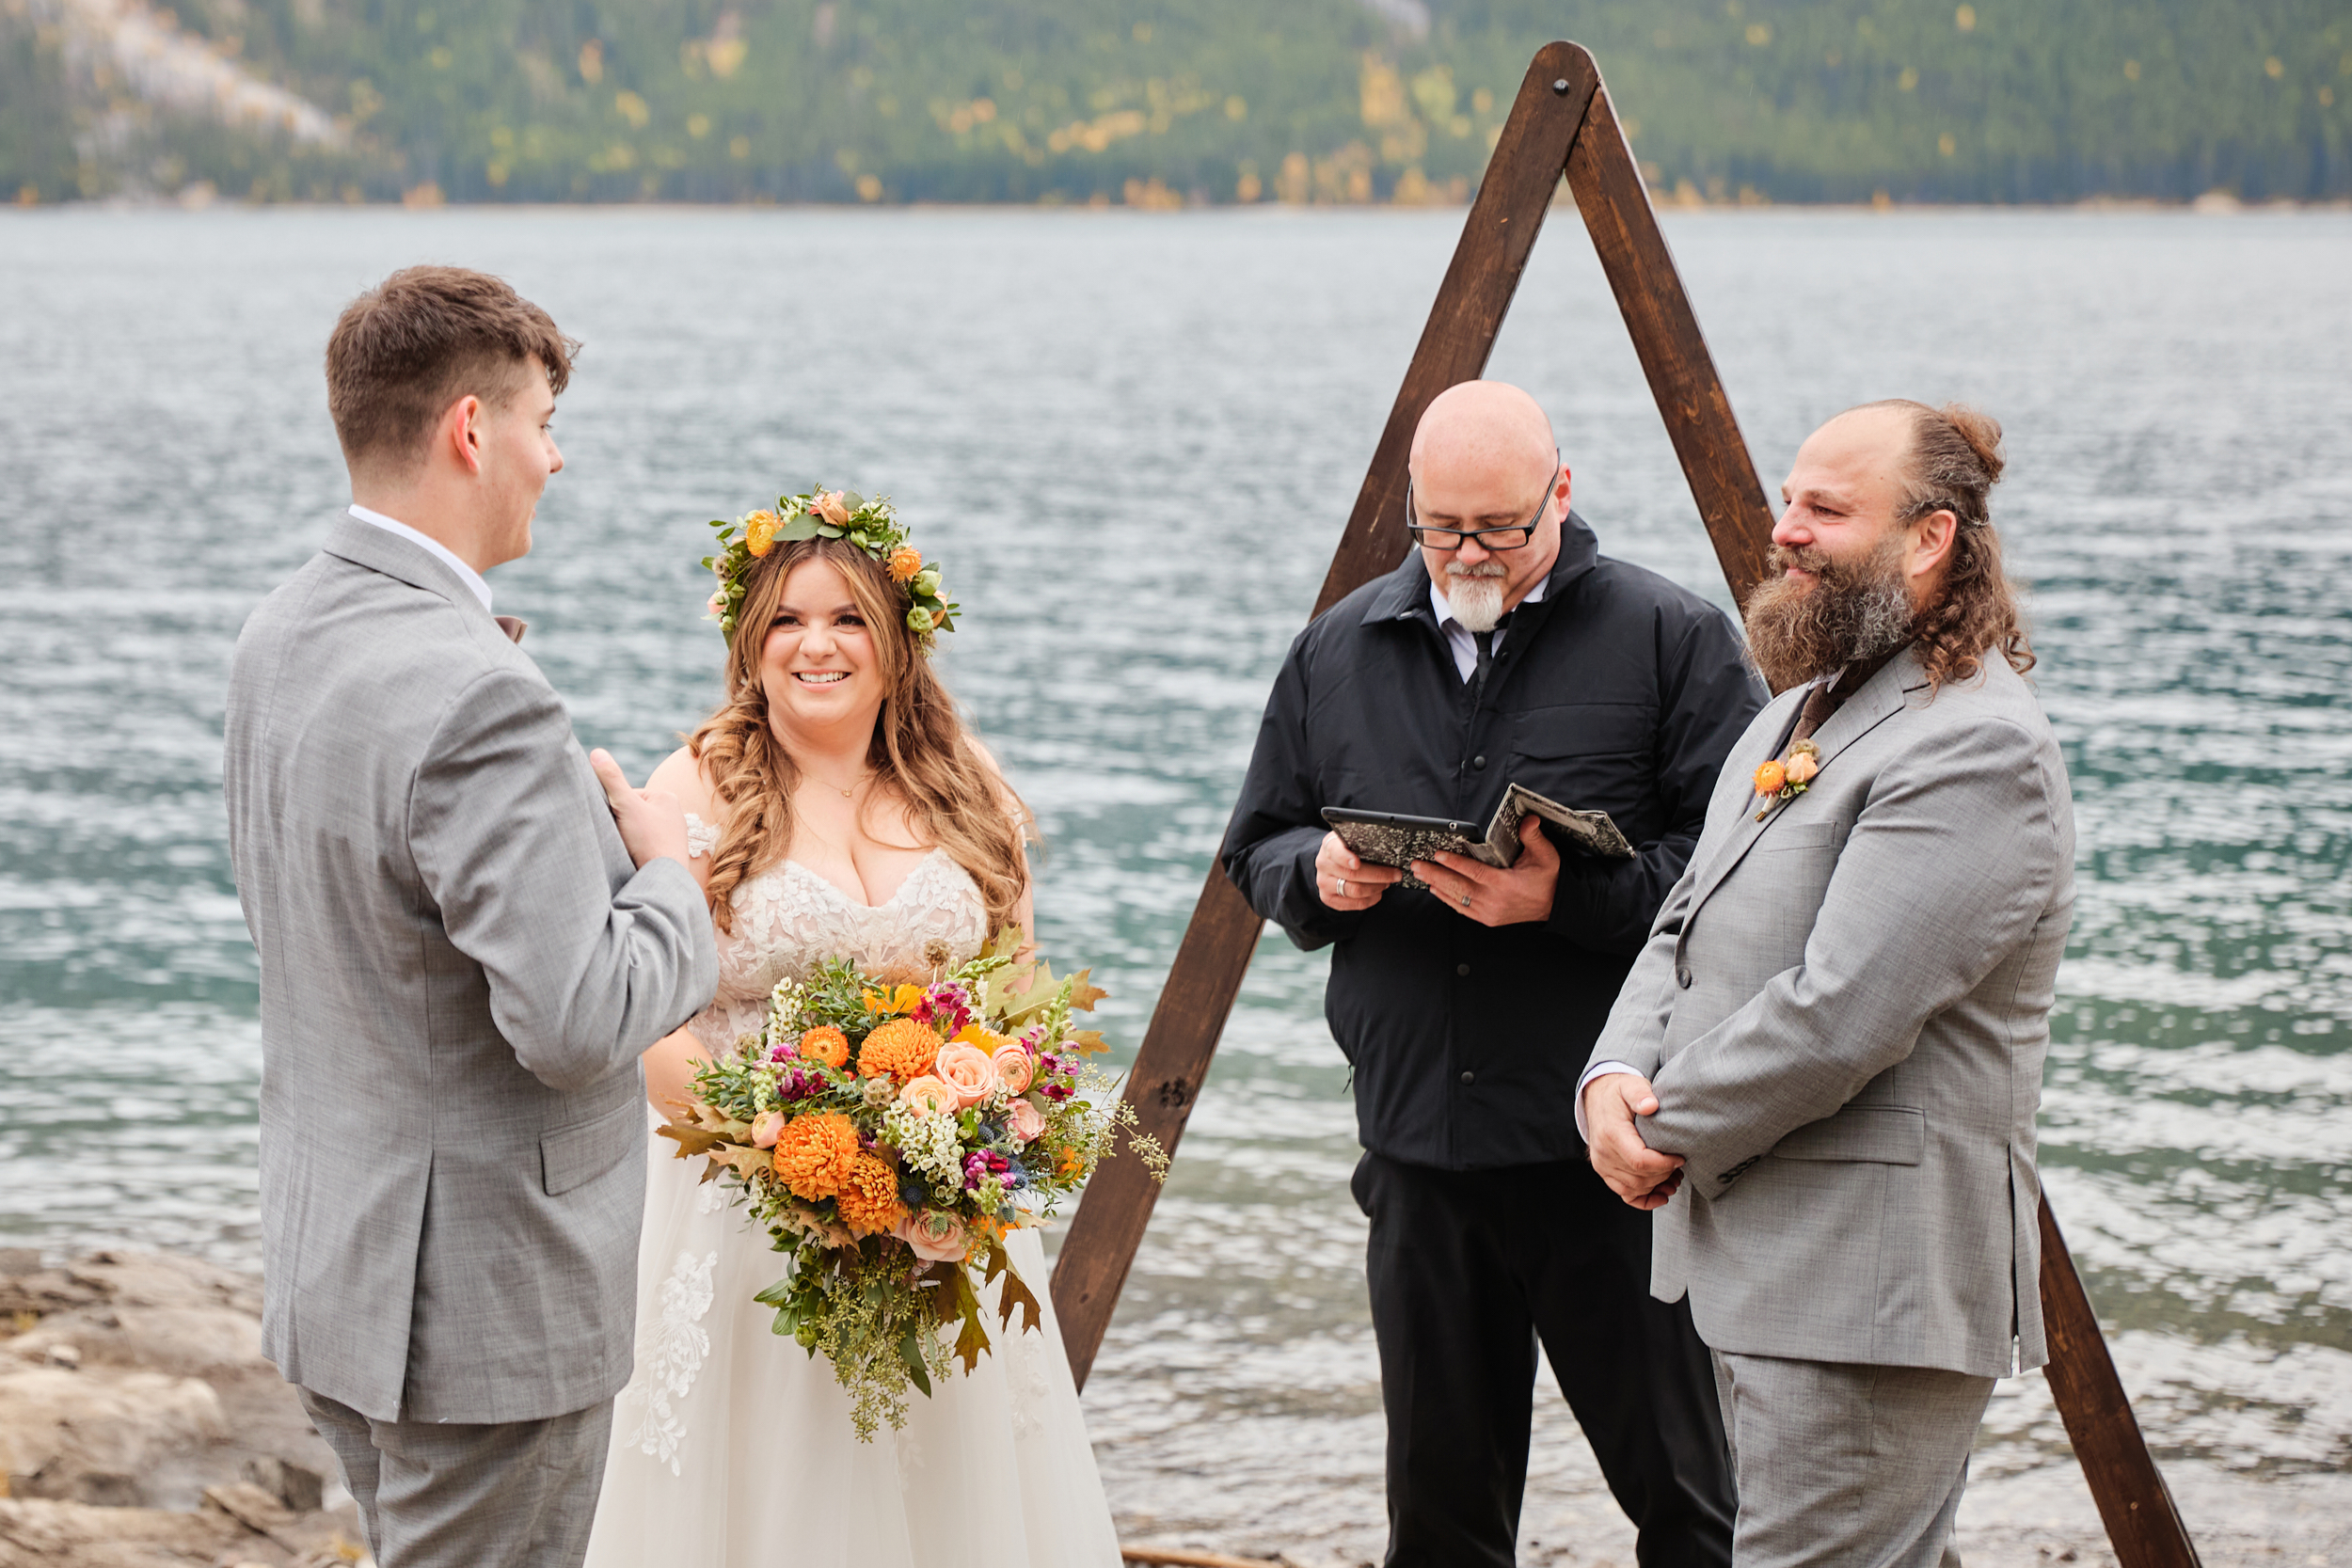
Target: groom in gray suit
(1823, 1070)
(466, 936)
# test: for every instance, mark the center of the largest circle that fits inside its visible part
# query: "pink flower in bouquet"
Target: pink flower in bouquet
(934, 1236)
(1014, 1067)
(1023, 1121)
(928, 1096)
(947, 1005)
(765, 1126)
(966, 1069)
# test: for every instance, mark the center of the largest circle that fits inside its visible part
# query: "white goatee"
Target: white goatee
(1474, 594)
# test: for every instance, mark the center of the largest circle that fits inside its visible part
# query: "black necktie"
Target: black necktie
(1486, 641)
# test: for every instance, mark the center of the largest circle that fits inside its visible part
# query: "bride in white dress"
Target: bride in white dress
(836, 808)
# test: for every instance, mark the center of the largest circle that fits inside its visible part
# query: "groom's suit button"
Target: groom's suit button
(1470, 1077)
(1683, 976)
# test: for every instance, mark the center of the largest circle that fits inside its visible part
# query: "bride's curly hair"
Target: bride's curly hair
(921, 747)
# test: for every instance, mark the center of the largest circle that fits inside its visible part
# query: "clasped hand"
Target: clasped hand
(1635, 1172)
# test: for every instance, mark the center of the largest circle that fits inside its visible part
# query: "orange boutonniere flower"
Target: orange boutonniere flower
(1780, 782)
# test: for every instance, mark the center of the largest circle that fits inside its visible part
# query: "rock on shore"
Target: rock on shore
(141, 1427)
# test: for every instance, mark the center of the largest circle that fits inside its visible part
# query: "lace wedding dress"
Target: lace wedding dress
(733, 1448)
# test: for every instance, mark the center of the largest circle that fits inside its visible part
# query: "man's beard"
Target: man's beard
(1474, 594)
(1800, 631)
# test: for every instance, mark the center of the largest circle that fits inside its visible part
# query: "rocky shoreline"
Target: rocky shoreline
(141, 1427)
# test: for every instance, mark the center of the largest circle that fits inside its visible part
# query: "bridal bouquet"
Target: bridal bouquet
(888, 1136)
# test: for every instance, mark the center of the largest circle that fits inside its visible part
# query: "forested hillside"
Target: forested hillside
(1163, 102)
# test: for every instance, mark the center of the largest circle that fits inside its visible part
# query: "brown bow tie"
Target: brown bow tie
(513, 626)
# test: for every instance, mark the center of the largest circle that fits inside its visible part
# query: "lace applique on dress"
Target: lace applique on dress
(701, 837)
(670, 1348)
(788, 920)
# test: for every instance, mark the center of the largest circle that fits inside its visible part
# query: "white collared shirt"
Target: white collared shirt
(1460, 638)
(439, 551)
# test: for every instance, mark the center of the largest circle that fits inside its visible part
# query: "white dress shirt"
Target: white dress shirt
(439, 551)
(1460, 638)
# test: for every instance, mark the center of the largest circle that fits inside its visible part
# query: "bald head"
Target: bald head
(1483, 458)
(1485, 426)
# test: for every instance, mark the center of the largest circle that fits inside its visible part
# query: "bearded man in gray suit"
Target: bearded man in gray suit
(468, 933)
(1823, 1069)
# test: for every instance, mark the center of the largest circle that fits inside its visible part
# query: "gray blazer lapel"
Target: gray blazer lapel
(1880, 698)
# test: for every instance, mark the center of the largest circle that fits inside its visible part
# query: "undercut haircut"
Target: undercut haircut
(403, 352)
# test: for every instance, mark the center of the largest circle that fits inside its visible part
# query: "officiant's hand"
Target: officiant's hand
(1345, 880)
(652, 823)
(1634, 1171)
(1495, 897)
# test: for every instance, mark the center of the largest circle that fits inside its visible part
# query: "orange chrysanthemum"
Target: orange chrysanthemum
(815, 1153)
(759, 531)
(904, 563)
(825, 1044)
(902, 1049)
(1769, 777)
(869, 1200)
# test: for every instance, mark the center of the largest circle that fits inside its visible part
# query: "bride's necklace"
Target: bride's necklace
(848, 793)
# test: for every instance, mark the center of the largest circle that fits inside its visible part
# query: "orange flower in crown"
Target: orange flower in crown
(904, 563)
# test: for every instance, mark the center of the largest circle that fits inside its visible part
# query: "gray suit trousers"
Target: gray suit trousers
(1847, 1465)
(458, 1495)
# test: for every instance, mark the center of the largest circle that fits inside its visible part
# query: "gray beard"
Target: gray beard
(1475, 597)
(1846, 615)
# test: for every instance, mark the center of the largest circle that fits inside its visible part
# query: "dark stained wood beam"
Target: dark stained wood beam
(2143, 1526)
(1561, 124)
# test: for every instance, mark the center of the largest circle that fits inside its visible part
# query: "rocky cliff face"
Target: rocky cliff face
(140, 1426)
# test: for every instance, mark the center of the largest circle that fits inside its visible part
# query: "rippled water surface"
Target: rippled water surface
(1133, 439)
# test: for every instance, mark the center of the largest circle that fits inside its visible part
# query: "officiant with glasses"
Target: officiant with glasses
(1505, 650)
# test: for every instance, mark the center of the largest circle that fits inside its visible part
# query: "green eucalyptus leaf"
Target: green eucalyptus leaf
(798, 529)
(826, 530)
(854, 501)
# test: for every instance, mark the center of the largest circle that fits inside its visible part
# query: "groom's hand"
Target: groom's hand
(651, 823)
(1634, 1171)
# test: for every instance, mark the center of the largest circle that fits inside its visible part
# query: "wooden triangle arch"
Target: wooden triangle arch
(1562, 122)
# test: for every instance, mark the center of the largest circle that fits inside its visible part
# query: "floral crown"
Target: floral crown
(871, 526)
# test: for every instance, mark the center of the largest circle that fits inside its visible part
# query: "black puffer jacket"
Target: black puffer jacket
(1616, 690)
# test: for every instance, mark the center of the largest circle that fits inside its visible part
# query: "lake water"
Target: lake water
(1133, 439)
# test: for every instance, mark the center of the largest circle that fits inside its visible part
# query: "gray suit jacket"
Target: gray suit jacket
(459, 968)
(1844, 1010)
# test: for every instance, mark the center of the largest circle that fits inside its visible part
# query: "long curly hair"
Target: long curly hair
(1955, 460)
(921, 747)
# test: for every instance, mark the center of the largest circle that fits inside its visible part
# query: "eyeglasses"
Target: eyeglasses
(1511, 537)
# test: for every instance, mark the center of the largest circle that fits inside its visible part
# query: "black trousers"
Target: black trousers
(1468, 1270)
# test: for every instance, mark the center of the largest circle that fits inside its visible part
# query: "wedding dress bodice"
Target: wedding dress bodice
(788, 920)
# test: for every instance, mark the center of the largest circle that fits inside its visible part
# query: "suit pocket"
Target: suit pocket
(1885, 1135)
(570, 1156)
(1797, 836)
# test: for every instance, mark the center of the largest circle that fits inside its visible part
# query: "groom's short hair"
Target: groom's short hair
(416, 342)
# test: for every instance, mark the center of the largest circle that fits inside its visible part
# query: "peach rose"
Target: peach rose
(1023, 1122)
(1801, 764)
(934, 1236)
(765, 1126)
(966, 1069)
(828, 506)
(927, 1096)
(1014, 1067)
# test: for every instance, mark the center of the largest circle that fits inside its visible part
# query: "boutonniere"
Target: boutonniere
(1782, 782)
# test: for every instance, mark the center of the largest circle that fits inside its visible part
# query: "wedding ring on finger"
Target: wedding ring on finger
(1465, 899)
(1343, 887)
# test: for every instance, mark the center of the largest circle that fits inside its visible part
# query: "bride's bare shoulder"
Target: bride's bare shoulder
(681, 774)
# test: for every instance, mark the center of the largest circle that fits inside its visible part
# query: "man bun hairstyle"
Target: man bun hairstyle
(1955, 460)
(403, 352)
